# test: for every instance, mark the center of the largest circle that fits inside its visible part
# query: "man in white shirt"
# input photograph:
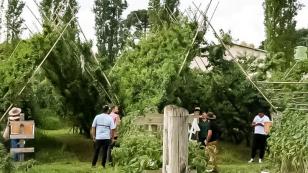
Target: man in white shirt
(102, 133)
(259, 138)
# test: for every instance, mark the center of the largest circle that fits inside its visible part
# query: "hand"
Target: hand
(205, 142)
(259, 124)
(93, 139)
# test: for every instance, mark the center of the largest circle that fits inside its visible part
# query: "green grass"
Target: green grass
(59, 151)
(62, 167)
(234, 159)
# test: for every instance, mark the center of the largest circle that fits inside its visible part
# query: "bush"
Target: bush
(288, 142)
(197, 158)
(139, 151)
(6, 165)
(48, 120)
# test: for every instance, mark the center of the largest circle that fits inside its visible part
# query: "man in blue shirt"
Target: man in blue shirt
(102, 132)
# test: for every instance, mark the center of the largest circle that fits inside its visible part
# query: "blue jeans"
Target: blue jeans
(15, 144)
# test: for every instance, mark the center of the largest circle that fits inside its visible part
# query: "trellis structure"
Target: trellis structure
(51, 49)
(204, 20)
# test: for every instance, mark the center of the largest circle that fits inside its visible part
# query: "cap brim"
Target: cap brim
(14, 118)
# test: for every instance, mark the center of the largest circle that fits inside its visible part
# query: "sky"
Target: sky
(244, 18)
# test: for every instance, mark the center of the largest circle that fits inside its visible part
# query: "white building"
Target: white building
(237, 50)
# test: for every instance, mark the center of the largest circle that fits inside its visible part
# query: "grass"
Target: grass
(66, 167)
(59, 151)
(234, 159)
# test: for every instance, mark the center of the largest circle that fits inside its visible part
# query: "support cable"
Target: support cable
(233, 58)
(39, 66)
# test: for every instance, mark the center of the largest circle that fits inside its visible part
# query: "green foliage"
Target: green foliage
(6, 165)
(145, 75)
(109, 28)
(16, 70)
(288, 142)
(164, 13)
(197, 158)
(13, 19)
(280, 28)
(154, 14)
(302, 37)
(138, 151)
(48, 119)
(137, 22)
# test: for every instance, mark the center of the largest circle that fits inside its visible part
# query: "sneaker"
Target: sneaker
(211, 170)
(250, 161)
(260, 160)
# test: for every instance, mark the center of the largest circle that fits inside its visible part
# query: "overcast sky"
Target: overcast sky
(244, 18)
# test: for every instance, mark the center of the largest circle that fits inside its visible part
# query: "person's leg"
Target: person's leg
(109, 157)
(97, 147)
(215, 152)
(212, 150)
(254, 146)
(201, 141)
(14, 144)
(262, 146)
(105, 146)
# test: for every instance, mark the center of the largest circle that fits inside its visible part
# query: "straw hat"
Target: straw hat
(14, 112)
(14, 118)
(211, 116)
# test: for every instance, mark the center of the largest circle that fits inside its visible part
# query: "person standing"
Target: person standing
(259, 137)
(194, 125)
(211, 141)
(102, 133)
(14, 115)
(116, 119)
(203, 125)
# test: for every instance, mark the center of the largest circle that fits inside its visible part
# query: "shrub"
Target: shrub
(288, 142)
(6, 165)
(139, 151)
(197, 158)
(48, 120)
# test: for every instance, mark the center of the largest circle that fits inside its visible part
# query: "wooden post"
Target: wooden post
(22, 141)
(175, 140)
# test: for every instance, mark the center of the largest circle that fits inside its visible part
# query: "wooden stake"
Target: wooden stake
(175, 144)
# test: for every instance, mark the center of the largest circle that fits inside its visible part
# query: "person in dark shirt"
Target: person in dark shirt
(211, 141)
(203, 125)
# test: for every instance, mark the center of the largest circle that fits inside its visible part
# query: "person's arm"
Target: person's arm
(254, 124)
(112, 135)
(209, 135)
(112, 128)
(93, 133)
(118, 120)
(93, 129)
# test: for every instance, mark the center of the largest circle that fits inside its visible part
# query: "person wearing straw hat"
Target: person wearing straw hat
(259, 137)
(211, 141)
(14, 115)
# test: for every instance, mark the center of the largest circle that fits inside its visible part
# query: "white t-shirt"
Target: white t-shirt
(260, 129)
(103, 124)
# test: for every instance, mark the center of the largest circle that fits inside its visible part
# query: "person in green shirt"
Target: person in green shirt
(203, 125)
